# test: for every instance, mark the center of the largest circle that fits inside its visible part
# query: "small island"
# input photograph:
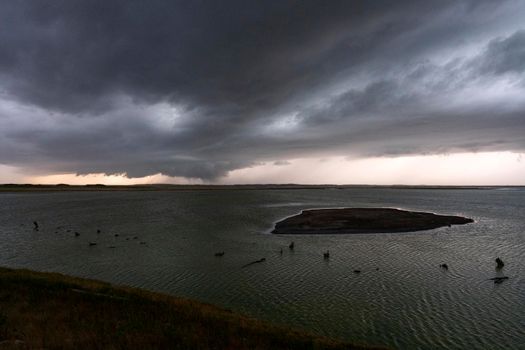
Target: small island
(364, 220)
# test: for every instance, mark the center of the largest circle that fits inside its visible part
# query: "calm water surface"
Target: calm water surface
(400, 299)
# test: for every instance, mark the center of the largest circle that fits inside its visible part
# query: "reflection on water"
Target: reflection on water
(401, 298)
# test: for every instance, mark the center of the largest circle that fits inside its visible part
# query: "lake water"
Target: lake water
(401, 299)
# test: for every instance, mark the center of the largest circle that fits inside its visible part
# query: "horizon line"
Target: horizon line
(250, 184)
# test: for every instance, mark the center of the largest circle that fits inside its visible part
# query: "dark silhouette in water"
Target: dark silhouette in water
(77, 234)
(443, 266)
(363, 220)
(291, 246)
(116, 234)
(326, 255)
(254, 262)
(357, 271)
(92, 244)
(219, 254)
(499, 263)
(98, 231)
(498, 280)
(281, 251)
(36, 225)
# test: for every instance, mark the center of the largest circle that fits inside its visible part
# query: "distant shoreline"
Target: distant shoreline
(168, 187)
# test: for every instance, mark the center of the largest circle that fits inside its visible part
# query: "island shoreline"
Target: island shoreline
(343, 220)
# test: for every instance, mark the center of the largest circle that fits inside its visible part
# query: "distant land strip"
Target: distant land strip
(169, 187)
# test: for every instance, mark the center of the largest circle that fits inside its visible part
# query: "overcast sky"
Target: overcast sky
(241, 91)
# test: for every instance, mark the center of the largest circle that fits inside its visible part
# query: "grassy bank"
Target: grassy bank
(45, 310)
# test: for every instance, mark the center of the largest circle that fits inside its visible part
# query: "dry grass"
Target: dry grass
(53, 311)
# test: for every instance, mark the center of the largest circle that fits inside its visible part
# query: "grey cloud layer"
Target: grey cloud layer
(197, 89)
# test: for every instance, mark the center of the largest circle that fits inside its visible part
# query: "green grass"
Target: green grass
(53, 311)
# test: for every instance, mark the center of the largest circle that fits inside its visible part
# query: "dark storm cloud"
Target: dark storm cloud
(70, 55)
(199, 88)
(505, 55)
(281, 163)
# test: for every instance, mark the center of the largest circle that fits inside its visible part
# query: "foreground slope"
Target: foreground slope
(47, 310)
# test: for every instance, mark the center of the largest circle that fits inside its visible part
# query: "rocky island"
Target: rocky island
(363, 220)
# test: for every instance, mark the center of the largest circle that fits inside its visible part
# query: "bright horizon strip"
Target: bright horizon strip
(462, 169)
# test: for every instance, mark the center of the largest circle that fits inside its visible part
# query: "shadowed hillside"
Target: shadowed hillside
(44, 310)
